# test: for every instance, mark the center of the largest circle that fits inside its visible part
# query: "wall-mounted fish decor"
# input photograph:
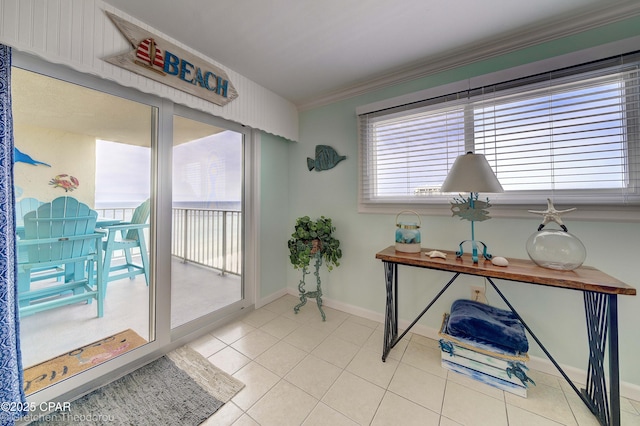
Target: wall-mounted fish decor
(21, 157)
(326, 158)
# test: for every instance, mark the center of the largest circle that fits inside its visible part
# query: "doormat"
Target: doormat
(180, 388)
(61, 367)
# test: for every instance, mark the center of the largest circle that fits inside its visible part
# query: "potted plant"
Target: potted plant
(313, 240)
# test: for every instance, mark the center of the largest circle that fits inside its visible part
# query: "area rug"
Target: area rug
(215, 381)
(61, 367)
(160, 393)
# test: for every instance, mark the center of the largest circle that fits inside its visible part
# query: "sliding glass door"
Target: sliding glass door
(207, 217)
(93, 149)
(166, 182)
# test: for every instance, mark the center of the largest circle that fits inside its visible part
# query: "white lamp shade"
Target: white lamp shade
(471, 173)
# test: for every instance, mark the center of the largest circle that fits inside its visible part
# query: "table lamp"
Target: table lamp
(471, 173)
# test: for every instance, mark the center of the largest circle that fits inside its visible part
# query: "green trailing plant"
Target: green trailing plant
(312, 238)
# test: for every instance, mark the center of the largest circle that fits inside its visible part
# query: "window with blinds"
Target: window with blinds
(571, 135)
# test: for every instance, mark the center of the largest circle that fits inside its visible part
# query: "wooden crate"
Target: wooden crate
(500, 370)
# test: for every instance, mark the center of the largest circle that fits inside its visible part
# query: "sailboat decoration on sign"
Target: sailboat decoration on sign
(165, 62)
(149, 56)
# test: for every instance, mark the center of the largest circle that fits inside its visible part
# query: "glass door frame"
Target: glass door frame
(248, 224)
(160, 233)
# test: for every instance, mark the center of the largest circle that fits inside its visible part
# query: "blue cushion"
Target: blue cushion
(487, 324)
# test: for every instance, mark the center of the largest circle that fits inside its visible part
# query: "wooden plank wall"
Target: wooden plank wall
(79, 34)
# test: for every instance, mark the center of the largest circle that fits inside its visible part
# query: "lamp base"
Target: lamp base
(474, 250)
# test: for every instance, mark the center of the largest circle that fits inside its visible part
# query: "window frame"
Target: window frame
(502, 206)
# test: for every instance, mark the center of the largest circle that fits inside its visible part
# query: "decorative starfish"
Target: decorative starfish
(552, 215)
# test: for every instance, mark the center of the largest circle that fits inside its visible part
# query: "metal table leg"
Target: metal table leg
(614, 360)
(391, 312)
(391, 316)
(602, 319)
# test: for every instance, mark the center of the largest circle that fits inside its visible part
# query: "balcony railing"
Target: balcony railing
(207, 237)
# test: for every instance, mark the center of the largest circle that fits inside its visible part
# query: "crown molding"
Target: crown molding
(530, 36)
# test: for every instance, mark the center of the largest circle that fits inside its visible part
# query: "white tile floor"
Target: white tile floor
(299, 370)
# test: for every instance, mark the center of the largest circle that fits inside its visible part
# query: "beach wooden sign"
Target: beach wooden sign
(162, 61)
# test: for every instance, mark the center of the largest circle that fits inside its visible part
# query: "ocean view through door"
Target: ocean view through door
(83, 167)
(207, 219)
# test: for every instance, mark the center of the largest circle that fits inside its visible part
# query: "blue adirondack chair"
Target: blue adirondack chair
(126, 237)
(24, 206)
(61, 232)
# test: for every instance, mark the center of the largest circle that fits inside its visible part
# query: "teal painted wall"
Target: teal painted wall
(274, 214)
(556, 315)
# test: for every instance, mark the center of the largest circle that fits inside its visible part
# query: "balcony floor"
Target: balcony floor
(195, 291)
(198, 290)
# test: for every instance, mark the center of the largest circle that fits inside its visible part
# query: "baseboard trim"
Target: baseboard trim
(627, 390)
(272, 297)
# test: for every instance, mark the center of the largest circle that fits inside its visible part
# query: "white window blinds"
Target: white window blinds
(571, 135)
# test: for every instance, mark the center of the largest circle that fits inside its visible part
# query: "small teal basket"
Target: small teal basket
(408, 234)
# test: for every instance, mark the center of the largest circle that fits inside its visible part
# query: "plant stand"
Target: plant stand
(317, 294)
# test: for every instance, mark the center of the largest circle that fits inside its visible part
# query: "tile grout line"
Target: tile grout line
(364, 346)
(283, 378)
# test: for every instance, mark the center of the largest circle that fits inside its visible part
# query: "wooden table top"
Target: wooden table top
(583, 278)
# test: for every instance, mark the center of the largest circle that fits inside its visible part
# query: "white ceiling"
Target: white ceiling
(47, 103)
(307, 51)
